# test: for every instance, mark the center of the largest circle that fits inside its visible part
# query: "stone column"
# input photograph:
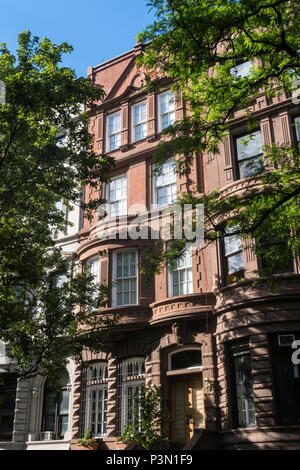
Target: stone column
(75, 429)
(112, 395)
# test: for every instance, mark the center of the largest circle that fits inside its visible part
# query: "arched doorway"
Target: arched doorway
(186, 393)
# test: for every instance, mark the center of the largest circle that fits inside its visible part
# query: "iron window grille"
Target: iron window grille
(131, 379)
(94, 400)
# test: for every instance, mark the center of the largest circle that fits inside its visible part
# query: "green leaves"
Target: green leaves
(198, 44)
(149, 420)
(41, 321)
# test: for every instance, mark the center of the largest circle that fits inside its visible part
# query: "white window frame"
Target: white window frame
(89, 264)
(155, 187)
(96, 280)
(233, 253)
(184, 268)
(102, 387)
(140, 123)
(127, 381)
(253, 157)
(115, 279)
(116, 200)
(160, 114)
(108, 135)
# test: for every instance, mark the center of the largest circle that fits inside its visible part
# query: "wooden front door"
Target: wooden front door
(187, 407)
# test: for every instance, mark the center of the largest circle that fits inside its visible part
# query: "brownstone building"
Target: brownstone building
(219, 347)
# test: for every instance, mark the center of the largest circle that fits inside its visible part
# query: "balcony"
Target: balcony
(183, 306)
(254, 291)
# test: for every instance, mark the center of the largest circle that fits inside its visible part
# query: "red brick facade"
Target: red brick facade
(214, 316)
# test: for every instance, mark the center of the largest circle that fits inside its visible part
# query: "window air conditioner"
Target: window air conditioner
(47, 436)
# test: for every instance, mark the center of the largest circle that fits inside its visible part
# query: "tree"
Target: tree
(149, 420)
(43, 302)
(199, 45)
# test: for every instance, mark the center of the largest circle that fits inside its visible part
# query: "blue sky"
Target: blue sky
(97, 29)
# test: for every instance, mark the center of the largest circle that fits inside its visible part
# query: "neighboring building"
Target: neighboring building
(219, 347)
(32, 415)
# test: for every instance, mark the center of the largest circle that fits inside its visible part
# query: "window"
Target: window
(62, 141)
(139, 121)
(81, 211)
(125, 270)
(233, 258)
(8, 385)
(56, 408)
(244, 397)
(131, 379)
(186, 359)
(181, 278)
(286, 378)
(2, 349)
(165, 188)
(113, 132)
(61, 207)
(166, 110)
(94, 400)
(275, 255)
(297, 128)
(249, 154)
(94, 269)
(241, 70)
(117, 196)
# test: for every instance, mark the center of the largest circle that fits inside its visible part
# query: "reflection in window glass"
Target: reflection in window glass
(113, 131)
(126, 278)
(186, 359)
(139, 118)
(8, 387)
(182, 276)
(166, 109)
(242, 70)
(249, 154)
(234, 260)
(244, 388)
(56, 408)
(118, 196)
(165, 184)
